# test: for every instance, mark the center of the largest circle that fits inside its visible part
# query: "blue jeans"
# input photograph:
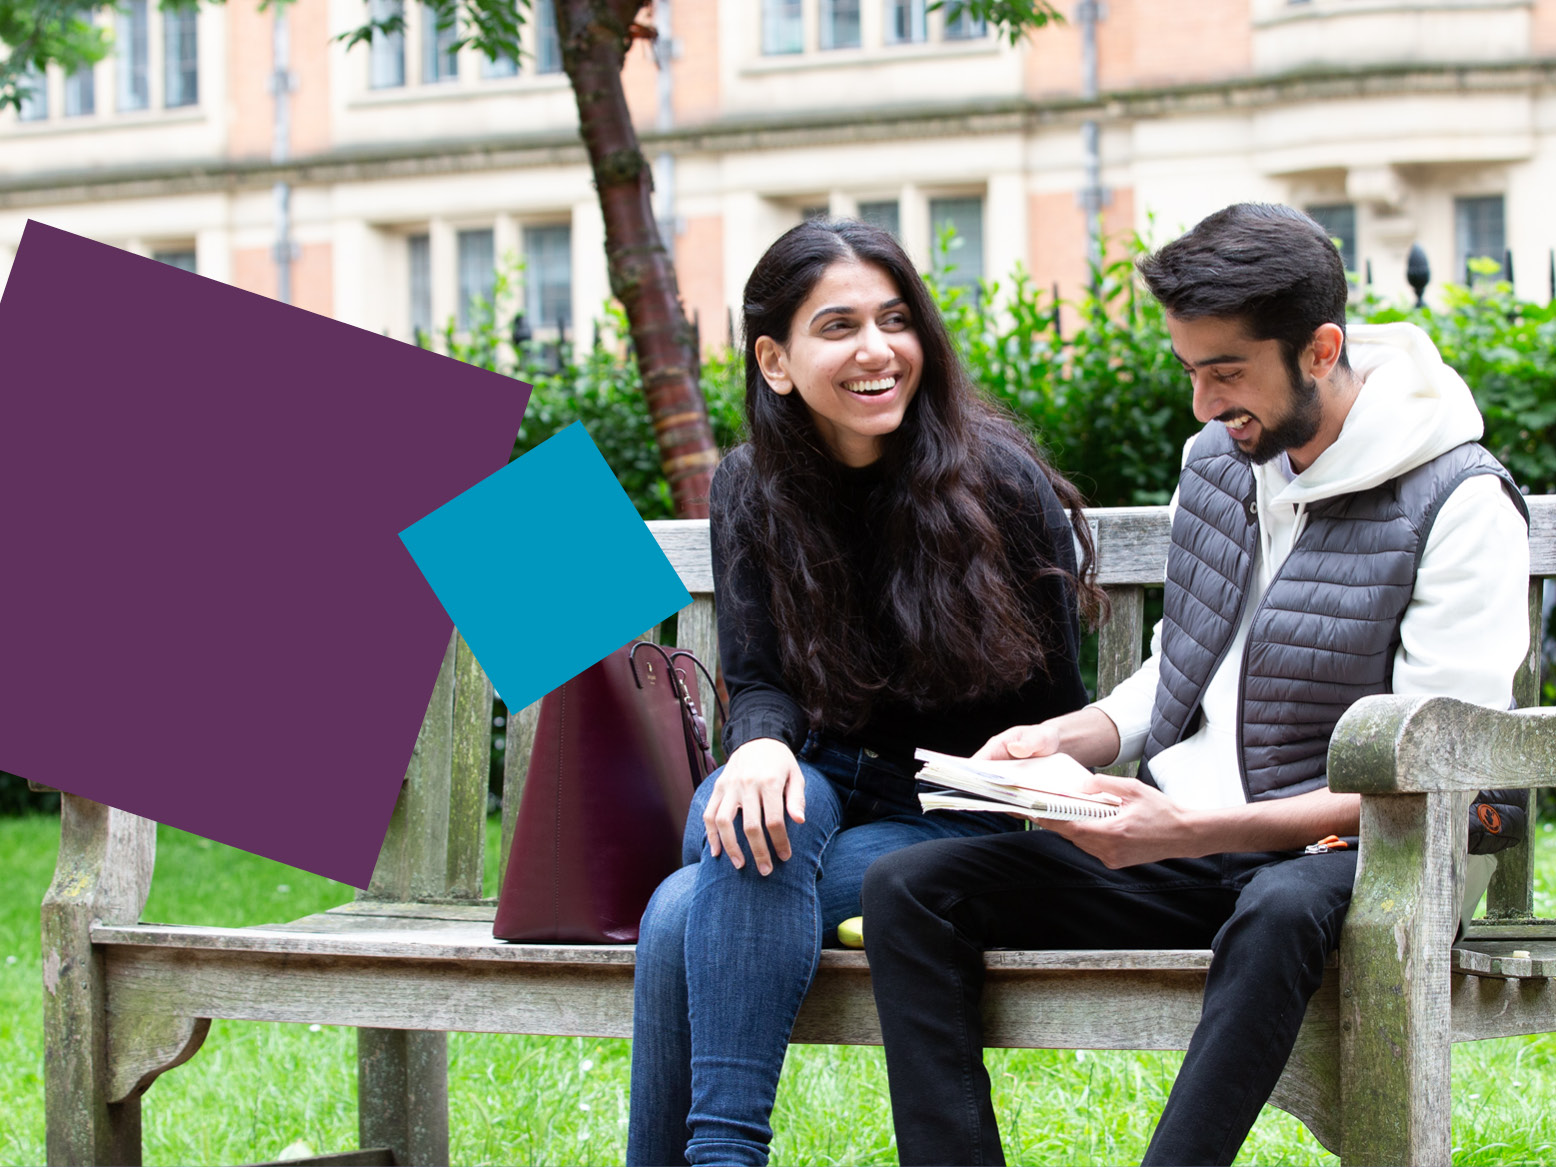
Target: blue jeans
(726, 955)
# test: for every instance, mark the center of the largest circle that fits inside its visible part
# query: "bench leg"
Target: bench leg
(80, 1125)
(402, 1094)
(1395, 1051)
(103, 873)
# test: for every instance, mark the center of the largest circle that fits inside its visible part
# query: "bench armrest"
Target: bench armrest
(1417, 762)
(1390, 744)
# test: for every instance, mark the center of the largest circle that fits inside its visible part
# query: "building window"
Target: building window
(1479, 231)
(386, 51)
(962, 25)
(963, 265)
(182, 258)
(548, 277)
(503, 66)
(420, 250)
(81, 93)
(907, 22)
(35, 106)
(840, 24)
(131, 45)
(882, 214)
(548, 43)
(1339, 222)
(477, 272)
(439, 61)
(181, 65)
(783, 27)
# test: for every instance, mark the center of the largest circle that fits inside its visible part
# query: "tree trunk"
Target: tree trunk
(594, 36)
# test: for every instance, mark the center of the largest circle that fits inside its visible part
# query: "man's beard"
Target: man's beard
(1299, 426)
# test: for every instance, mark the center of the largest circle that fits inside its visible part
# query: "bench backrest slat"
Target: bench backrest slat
(1542, 534)
(470, 776)
(413, 861)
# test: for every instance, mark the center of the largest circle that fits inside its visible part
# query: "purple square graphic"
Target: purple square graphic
(208, 617)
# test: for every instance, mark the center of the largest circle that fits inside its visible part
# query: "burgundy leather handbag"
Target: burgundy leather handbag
(618, 752)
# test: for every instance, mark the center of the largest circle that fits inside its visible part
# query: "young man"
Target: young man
(1336, 533)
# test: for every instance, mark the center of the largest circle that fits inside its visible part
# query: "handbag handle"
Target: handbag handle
(669, 659)
(632, 659)
(699, 756)
(718, 702)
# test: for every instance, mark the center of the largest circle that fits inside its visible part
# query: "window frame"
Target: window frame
(439, 61)
(782, 18)
(176, 23)
(917, 10)
(1353, 260)
(536, 291)
(958, 278)
(873, 211)
(548, 41)
(386, 50)
(466, 292)
(35, 106)
(77, 82)
(827, 18)
(184, 256)
(1463, 208)
(418, 273)
(132, 57)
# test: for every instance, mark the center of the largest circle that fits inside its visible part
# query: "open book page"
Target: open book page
(1049, 787)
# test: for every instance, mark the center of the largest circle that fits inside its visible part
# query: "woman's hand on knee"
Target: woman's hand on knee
(759, 783)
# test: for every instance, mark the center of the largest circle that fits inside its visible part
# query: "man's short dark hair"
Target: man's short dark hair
(1267, 265)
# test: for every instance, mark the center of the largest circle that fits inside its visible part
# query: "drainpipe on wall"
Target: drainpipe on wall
(1093, 197)
(282, 84)
(666, 50)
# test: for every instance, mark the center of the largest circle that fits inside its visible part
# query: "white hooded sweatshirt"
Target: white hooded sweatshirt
(1466, 628)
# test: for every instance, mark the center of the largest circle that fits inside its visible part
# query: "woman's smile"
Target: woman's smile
(871, 388)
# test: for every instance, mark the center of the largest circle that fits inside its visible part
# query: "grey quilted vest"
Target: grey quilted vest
(1325, 632)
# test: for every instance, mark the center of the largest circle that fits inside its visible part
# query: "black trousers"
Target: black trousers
(932, 909)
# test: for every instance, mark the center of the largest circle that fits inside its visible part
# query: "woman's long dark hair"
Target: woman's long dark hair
(946, 586)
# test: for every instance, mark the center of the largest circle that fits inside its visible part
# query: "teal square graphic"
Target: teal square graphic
(545, 567)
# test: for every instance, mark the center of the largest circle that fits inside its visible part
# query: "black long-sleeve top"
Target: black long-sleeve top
(1037, 531)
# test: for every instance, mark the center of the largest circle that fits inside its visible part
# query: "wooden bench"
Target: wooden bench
(412, 957)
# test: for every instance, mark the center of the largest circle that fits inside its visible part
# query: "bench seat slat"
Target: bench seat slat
(1496, 958)
(1056, 1006)
(1062, 1002)
(423, 938)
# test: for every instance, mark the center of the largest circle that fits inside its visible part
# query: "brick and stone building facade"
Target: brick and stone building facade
(410, 169)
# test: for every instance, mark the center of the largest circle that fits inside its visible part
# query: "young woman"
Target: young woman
(895, 569)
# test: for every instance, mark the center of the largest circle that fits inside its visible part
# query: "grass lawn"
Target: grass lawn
(255, 1090)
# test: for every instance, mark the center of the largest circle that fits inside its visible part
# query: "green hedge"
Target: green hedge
(1105, 399)
(599, 387)
(1107, 403)
(1506, 349)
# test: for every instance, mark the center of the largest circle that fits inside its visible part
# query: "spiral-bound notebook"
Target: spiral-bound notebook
(965, 784)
